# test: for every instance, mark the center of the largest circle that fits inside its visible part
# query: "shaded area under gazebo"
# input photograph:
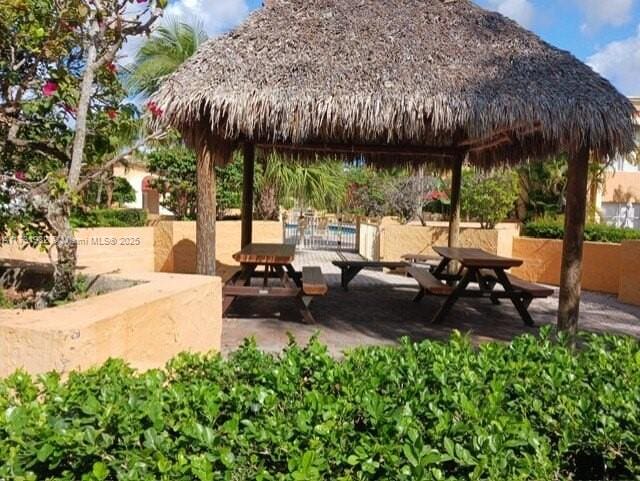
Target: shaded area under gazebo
(442, 82)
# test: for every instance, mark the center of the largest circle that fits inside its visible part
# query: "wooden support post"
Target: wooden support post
(454, 218)
(210, 154)
(572, 247)
(247, 193)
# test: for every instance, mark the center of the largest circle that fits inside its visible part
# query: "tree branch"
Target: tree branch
(109, 164)
(42, 147)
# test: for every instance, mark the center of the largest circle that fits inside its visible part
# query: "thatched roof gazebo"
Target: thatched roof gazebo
(438, 81)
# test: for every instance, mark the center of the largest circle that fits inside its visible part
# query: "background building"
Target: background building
(137, 174)
(622, 188)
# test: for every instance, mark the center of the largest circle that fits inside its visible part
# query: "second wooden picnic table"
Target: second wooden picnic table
(276, 261)
(483, 268)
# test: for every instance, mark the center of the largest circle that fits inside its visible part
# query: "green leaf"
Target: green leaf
(44, 452)
(100, 471)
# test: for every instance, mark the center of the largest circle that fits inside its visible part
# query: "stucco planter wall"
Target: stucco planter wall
(629, 290)
(394, 240)
(542, 261)
(146, 325)
(175, 244)
(102, 249)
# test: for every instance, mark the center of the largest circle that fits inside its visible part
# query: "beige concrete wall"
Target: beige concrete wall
(146, 325)
(175, 244)
(368, 241)
(542, 261)
(397, 240)
(104, 249)
(168, 246)
(629, 287)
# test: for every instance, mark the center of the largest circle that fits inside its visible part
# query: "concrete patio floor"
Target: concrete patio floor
(378, 310)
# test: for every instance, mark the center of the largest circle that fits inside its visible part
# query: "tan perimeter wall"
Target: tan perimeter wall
(103, 249)
(146, 325)
(397, 240)
(630, 273)
(169, 246)
(542, 260)
(175, 244)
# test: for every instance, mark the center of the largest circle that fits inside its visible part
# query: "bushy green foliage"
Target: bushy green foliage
(5, 302)
(542, 187)
(123, 191)
(229, 181)
(488, 198)
(529, 410)
(110, 218)
(550, 228)
(175, 165)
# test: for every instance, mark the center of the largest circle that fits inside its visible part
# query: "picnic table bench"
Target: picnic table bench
(425, 259)
(277, 262)
(483, 268)
(349, 269)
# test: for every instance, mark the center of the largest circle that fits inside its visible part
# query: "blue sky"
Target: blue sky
(603, 33)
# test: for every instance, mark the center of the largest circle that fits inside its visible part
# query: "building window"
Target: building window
(622, 215)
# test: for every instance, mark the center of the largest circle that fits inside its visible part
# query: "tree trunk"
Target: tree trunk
(267, 205)
(59, 210)
(571, 274)
(82, 112)
(454, 218)
(110, 193)
(99, 193)
(66, 250)
(247, 194)
(212, 154)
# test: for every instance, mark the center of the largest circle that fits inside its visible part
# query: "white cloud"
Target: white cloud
(620, 63)
(522, 11)
(217, 16)
(601, 13)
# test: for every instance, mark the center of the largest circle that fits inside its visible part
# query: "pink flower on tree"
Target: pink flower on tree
(20, 175)
(111, 67)
(435, 195)
(112, 113)
(154, 109)
(49, 88)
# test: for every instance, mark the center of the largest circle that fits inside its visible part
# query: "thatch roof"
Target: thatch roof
(395, 73)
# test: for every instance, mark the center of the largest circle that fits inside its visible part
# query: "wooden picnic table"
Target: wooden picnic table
(279, 278)
(481, 267)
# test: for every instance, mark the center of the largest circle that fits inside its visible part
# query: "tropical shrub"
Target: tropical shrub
(542, 188)
(550, 228)
(229, 180)
(533, 409)
(365, 192)
(488, 198)
(406, 196)
(107, 192)
(286, 182)
(176, 182)
(110, 218)
(175, 167)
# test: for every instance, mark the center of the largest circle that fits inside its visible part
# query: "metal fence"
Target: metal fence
(320, 233)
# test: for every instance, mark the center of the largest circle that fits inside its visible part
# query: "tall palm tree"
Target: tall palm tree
(159, 56)
(321, 185)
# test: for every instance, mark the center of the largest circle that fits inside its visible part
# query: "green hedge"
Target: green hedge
(110, 218)
(554, 229)
(529, 410)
